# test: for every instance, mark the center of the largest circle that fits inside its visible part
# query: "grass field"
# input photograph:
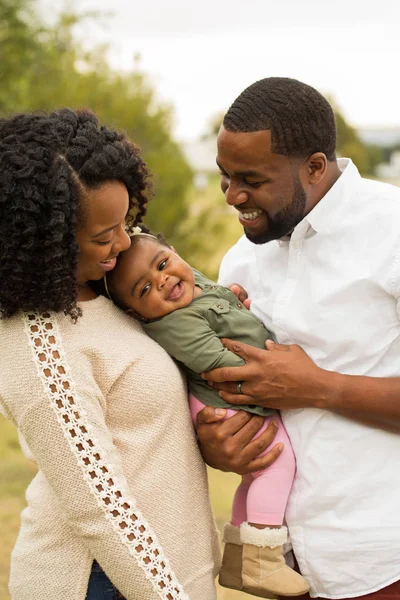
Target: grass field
(16, 472)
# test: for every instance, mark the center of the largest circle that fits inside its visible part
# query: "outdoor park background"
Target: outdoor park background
(43, 66)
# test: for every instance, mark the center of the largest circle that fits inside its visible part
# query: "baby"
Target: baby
(187, 314)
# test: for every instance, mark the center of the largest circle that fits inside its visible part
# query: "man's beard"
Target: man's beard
(285, 220)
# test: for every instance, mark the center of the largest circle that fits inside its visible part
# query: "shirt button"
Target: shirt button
(219, 306)
(213, 287)
(239, 305)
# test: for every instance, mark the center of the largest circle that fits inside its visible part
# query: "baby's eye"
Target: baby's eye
(145, 289)
(162, 264)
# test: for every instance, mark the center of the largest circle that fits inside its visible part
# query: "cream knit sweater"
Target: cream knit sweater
(103, 410)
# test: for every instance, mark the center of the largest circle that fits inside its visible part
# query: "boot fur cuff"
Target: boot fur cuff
(263, 537)
(232, 534)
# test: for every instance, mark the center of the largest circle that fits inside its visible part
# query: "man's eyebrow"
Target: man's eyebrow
(249, 173)
(104, 231)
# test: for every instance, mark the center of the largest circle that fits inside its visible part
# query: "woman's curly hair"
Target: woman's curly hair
(47, 162)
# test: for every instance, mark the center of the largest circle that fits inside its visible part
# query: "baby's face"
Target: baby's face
(152, 280)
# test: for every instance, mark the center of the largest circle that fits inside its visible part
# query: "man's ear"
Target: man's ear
(317, 165)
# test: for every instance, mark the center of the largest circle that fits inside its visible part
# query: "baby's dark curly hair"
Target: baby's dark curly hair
(47, 162)
(300, 119)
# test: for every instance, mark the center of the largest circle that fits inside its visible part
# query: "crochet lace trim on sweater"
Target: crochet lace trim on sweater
(118, 505)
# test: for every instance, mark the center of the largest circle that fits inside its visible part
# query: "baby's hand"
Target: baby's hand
(240, 293)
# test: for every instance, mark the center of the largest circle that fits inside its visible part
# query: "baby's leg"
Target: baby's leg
(253, 555)
(239, 514)
(269, 492)
(264, 572)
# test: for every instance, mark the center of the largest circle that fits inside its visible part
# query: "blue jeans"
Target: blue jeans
(100, 587)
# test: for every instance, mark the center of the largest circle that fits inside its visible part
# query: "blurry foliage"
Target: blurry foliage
(365, 156)
(45, 67)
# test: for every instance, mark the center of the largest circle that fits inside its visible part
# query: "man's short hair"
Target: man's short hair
(300, 119)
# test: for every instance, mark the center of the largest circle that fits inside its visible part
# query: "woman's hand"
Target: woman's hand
(228, 445)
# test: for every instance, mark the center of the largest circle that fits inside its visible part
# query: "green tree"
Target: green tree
(349, 143)
(46, 67)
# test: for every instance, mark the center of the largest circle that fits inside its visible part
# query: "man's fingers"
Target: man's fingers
(262, 462)
(230, 426)
(232, 397)
(247, 303)
(274, 347)
(244, 436)
(260, 443)
(209, 414)
(239, 291)
(233, 373)
(242, 350)
(225, 374)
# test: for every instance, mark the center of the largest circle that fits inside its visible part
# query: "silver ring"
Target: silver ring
(239, 387)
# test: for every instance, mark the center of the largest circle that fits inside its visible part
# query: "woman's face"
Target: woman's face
(101, 235)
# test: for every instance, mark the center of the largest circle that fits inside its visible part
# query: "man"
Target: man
(320, 261)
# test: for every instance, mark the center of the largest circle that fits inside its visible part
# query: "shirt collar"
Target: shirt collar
(320, 217)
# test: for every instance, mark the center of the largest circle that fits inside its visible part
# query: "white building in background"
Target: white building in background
(391, 170)
(201, 155)
(381, 136)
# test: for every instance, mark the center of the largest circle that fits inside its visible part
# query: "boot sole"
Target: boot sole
(272, 595)
(231, 586)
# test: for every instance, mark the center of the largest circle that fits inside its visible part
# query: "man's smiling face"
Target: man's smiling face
(263, 186)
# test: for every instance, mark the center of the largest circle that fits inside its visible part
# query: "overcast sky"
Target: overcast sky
(201, 55)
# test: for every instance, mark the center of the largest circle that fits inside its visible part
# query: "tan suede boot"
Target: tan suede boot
(264, 571)
(230, 575)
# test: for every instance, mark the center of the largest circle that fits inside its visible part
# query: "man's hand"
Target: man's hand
(240, 293)
(283, 378)
(228, 445)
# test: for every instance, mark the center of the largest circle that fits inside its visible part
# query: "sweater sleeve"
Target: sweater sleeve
(188, 337)
(66, 431)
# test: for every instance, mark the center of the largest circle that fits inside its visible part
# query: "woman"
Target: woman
(121, 486)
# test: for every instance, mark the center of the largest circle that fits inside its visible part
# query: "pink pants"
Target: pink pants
(262, 496)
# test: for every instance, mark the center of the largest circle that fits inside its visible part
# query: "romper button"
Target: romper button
(213, 287)
(239, 305)
(219, 306)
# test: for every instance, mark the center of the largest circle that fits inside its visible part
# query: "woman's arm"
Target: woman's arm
(66, 431)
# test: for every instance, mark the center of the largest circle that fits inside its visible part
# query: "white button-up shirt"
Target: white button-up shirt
(334, 289)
